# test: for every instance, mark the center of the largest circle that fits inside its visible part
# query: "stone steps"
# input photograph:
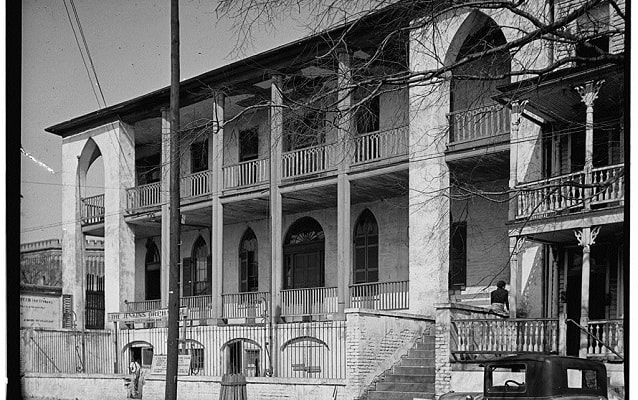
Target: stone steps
(410, 378)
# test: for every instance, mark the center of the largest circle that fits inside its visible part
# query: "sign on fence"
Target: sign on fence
(38, 311)
(158, 367)
(143, 316)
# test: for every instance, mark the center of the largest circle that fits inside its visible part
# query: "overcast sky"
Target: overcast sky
(129, 42)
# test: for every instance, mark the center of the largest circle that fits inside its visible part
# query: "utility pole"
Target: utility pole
(175, 220)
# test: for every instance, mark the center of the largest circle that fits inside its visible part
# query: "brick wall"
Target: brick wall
(376, 340)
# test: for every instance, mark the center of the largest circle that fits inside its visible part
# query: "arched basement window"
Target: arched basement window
(304, 255)
(366, 249)
(248, 267)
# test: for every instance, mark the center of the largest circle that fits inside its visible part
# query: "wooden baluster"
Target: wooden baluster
(605, 336)
(590, 341)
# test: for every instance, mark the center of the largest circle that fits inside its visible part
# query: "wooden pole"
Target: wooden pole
(173, 291)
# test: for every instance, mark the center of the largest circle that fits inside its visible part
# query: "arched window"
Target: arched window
(366, 249)
(153, 271)
(304, 255)
(197, 271)
(248, 267)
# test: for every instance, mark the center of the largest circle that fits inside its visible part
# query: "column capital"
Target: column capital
(589, 92)
(520, 241)
(586, 236)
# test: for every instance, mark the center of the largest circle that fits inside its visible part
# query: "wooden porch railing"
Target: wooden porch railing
(609, 332)
(381, 295)
(310, 301)
(144, 305)
(478, 123)
(144, 196)
(541, 198)
(245, 305)
(381, 145)
(199, 307)
(246, 173)
(309, 160)
(93, 209)
(196, 184)
(504, 336)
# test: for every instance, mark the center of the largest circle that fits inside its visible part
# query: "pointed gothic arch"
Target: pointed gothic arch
(248, 263)
(152, 269)
(197, 270)
(366, 248)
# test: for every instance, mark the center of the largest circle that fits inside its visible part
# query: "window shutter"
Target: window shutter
(187, 277)
(209, 275)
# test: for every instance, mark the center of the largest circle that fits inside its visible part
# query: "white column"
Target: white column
(72, 237)
(515, 121)
(276, 213)
(344, 239)
(588, 94)
(165, 182)
(516, 244)
(216, 143)
(586, 237)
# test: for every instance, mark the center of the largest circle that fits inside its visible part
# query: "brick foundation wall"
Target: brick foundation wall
(376, 340)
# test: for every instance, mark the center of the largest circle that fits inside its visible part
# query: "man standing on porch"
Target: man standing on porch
(499, 298)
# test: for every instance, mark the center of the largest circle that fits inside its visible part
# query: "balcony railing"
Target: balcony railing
(505, 336)
(381, 145)
(311, 301)
(93, 209)
(144, 305)
(199, 307)
(309, 160)
(609, 332)
(196, 184)
(380, 296)
(246, 173)
(144, 196)
(478, 123)
(245, 305)
(548, 196)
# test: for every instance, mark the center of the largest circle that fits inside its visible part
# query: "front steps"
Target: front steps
(411, 378)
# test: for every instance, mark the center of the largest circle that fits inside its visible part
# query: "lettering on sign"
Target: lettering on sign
(140, 316)
(158, 367)
(40, 311)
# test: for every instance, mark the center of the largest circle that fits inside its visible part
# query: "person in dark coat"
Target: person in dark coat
(499, 298)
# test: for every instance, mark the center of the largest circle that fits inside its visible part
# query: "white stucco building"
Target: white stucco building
(324, 242)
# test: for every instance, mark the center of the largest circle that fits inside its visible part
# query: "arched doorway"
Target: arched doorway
(153, 271)
(304, 255)
(248, 266)
(366, 249)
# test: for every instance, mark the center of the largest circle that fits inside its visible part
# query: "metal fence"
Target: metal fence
(68, 351)
(300, 350)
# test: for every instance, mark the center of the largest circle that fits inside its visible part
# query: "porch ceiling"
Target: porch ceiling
(555, 99)
(378, 187)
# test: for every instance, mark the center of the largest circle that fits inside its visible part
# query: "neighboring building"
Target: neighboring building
(41, 281)
(324, 243)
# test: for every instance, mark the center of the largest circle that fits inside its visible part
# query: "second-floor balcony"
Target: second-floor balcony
(92, 209)
(487, 122)
(570, 192)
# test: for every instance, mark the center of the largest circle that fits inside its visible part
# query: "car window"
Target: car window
(582, 379)
(507, 378)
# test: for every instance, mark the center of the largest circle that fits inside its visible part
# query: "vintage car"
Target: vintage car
(539, 377)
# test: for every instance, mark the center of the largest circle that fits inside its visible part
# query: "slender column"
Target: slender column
(165, 182)
(586, 237)
(344, 240)
(516, 243)
(588, 94)
(554, 295)
(276, 214)
(216, 142)
(515, 121)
